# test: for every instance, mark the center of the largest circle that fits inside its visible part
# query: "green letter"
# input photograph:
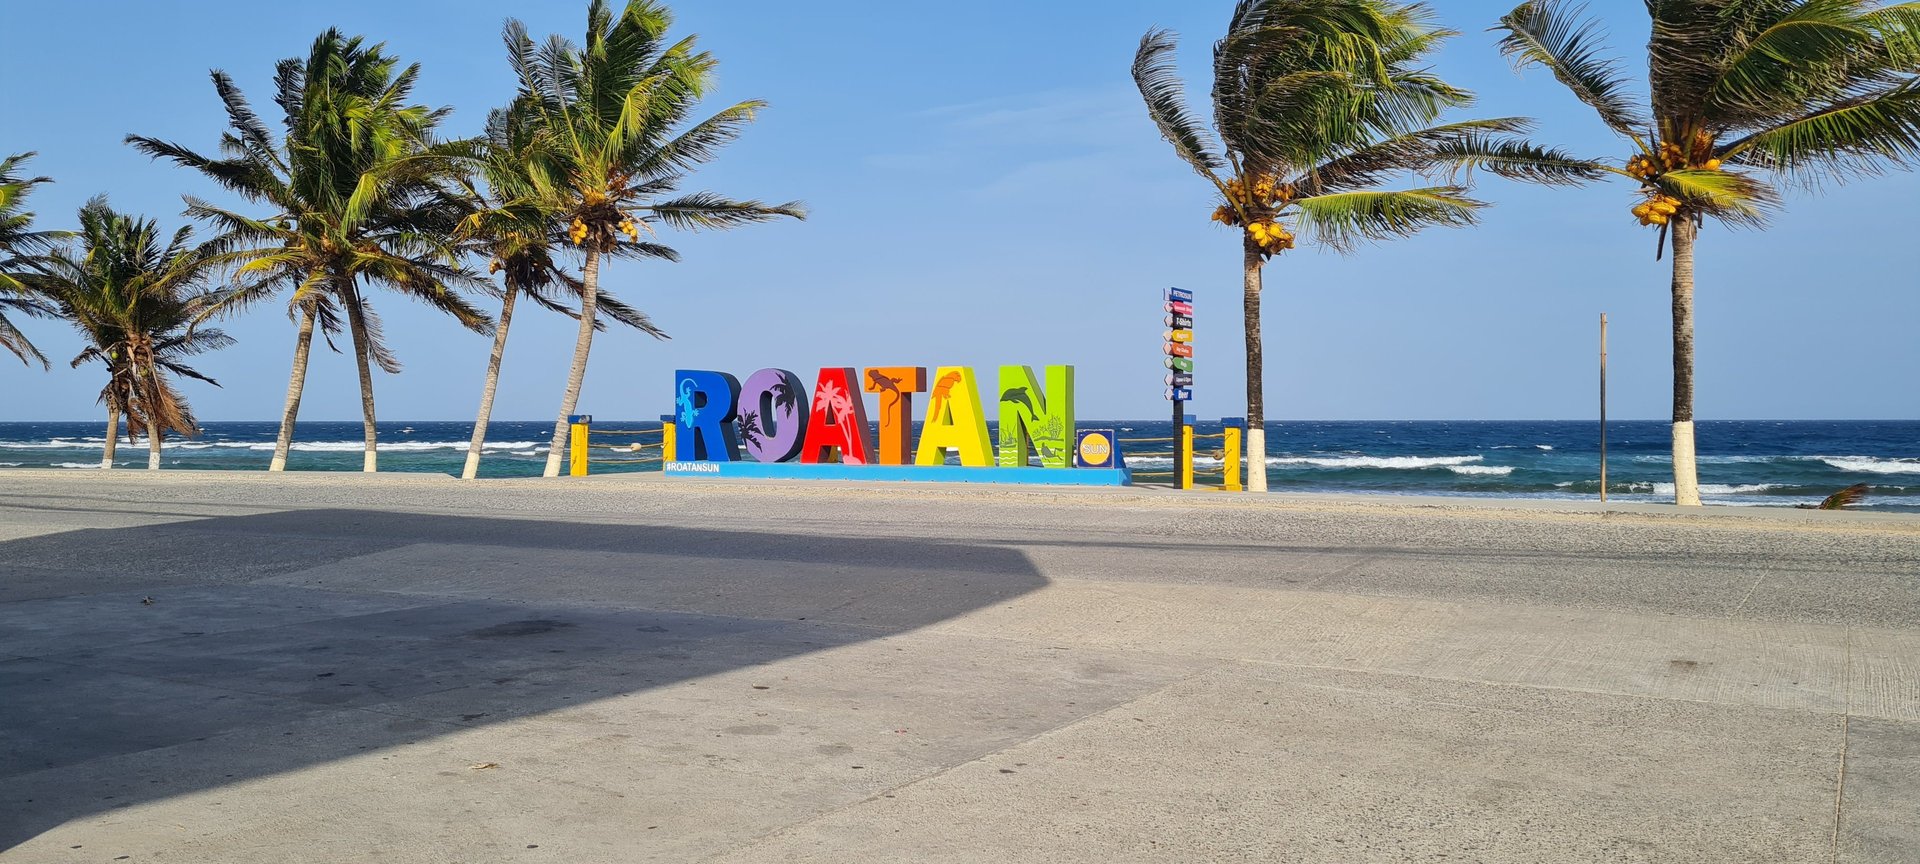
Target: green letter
(1044, 418)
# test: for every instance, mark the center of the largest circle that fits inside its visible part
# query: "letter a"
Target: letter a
(839, 420)
(954, 420)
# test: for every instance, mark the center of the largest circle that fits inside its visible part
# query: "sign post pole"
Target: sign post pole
(1603, 407)
(1179, 363)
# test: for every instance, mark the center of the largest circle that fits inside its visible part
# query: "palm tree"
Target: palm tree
(22, 252)
(1805, 90)
(1316, 104)
(522, 240)
(360, 193)
(612, 142)
(130, 292)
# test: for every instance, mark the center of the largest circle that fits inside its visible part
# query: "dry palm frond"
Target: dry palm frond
(1842, 499)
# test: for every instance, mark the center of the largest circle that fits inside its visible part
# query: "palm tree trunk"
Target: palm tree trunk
(153, 442)
(113, 436)
(357, 324)
(1686, 477)
(1256, 392)
(296, 384)
(472, 468)
(589, 307)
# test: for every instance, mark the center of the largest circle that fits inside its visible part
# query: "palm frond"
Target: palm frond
(1344, 220)
(1859, 136)
(1158, 80)
(1798, 58)
(1516, 159)
(1731, 196)
(1550, 33)
(706, 210)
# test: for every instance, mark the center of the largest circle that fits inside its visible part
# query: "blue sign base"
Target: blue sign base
(903, 473)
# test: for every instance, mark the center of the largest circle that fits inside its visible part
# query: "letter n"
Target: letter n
(1030, 416)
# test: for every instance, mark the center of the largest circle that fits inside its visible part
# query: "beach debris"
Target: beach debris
(482, 766)
(146, 601)
(1840, 500)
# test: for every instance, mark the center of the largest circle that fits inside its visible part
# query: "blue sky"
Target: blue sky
(986, 189)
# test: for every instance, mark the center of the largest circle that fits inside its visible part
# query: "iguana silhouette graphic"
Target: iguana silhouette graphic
(685, 403)
(884, 386)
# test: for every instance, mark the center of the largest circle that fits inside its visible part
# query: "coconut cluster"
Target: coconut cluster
(1260, 202)
(597, 214)
(1659, 207)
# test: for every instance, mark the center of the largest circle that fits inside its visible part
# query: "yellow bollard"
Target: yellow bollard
(1230, 454)
(1186, 456)
(579, 428)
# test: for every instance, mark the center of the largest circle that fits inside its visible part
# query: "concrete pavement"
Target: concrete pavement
(346, 668)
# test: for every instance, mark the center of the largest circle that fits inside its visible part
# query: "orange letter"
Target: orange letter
(896, 386)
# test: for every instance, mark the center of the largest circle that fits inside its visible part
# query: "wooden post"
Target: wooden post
(1603, 407)
(579, 427)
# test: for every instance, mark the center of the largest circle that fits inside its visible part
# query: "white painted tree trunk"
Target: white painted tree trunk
(1686, 472)
(153, 443)
(296, 384)
(472, 468)
(570, 401)
(1256, 367)
(357, 327)
(113, 436)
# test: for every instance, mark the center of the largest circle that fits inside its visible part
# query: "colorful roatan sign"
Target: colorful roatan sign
(716, 415)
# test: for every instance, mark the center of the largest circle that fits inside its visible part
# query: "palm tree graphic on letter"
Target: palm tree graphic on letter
(836, 400)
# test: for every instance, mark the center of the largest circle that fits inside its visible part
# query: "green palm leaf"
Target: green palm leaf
(1345, 220)
(1159, 83)
(1551, 33)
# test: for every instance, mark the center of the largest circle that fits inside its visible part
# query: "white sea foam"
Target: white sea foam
(1486, 470)
(1387, 462)
(1544, 446)
(1716, 488)
(1872, 465)
(9, 464)
(265, 446)
(76, 465)
(385, 446)
(1167, 461)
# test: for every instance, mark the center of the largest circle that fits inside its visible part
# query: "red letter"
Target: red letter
(839, 420)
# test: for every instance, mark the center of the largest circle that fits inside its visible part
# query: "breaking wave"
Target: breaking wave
(1386, 462)
(1871, 465)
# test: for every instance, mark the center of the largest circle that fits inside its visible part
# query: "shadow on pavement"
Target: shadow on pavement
(278, 641)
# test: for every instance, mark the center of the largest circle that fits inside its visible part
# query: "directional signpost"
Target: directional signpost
(1179, 379)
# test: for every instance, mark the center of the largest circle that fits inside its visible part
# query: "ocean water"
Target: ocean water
(1741, 462)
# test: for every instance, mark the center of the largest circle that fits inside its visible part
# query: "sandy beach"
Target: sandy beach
(244, 667)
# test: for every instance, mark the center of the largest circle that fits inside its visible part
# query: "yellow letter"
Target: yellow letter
(954, 420)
